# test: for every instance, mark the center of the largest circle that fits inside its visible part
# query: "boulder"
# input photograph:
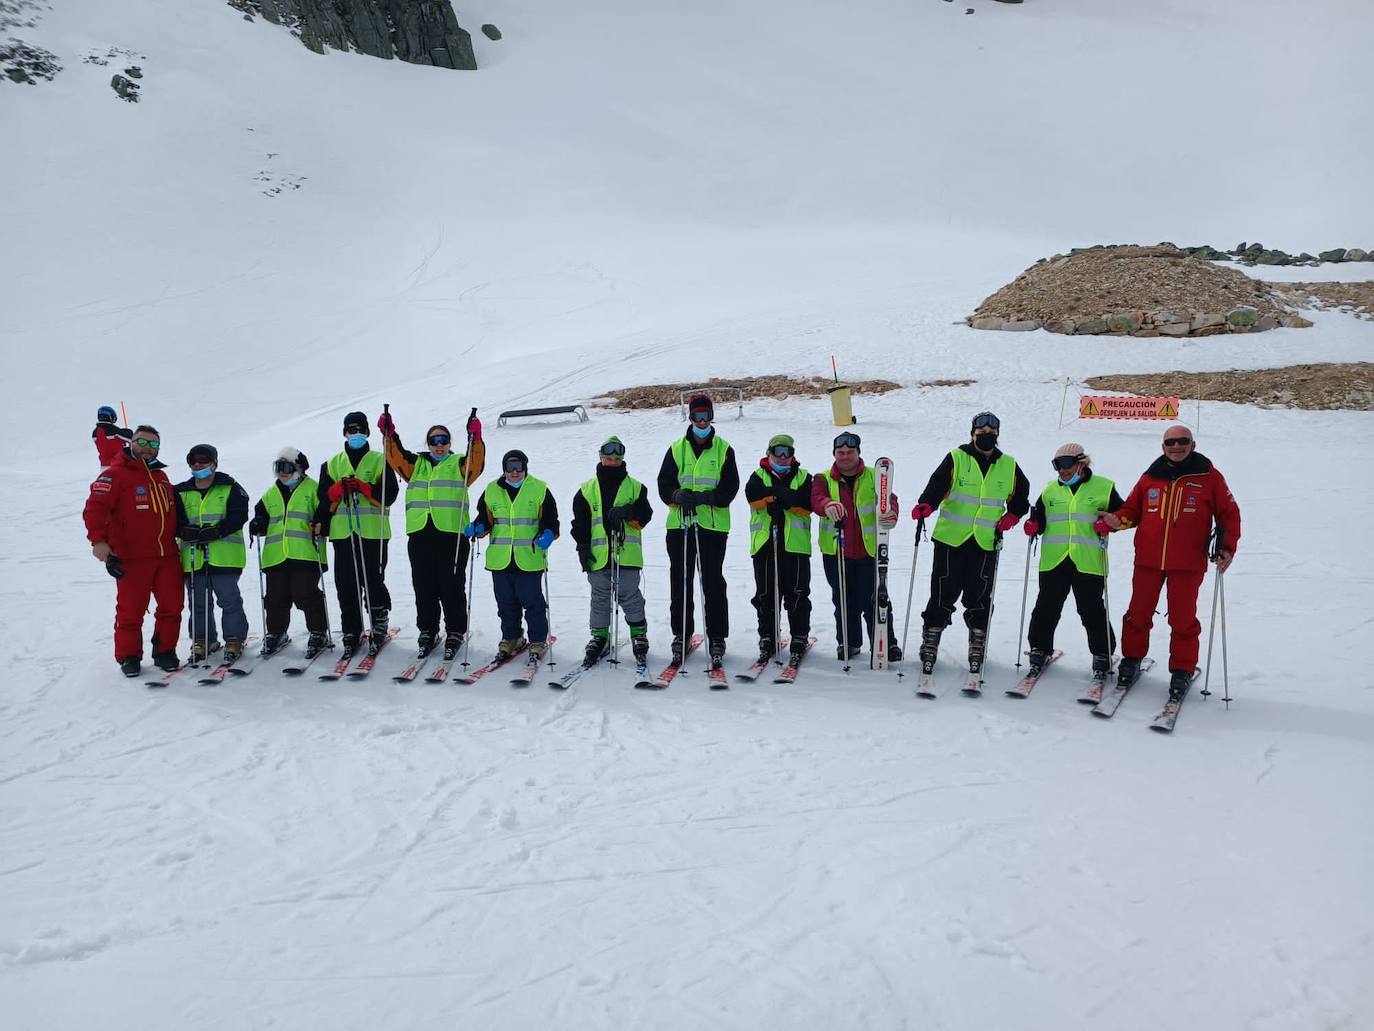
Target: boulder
(1294, 322)
(1021, 325)
(1061, 326)
(1335, 254)
(1203, 321)
(1266, 322)
(491, 32)
(1242, 315)
(1209, 331)
(126, 89)
(1181, 329)
(1125, 321)
(1091, 328)
(1357, 254)
(987, 322)
(1273, 258)
(1145, 333)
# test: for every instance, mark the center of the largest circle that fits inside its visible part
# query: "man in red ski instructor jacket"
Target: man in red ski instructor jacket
(1172, 508)
(131, 522)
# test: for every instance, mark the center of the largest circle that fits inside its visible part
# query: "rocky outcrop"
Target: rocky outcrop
(417, 31)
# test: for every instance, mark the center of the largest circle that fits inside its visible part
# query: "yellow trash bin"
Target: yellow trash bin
(840, 406)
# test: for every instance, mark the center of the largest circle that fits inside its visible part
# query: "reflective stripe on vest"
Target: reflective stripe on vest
(865, 502)
(437, 493)
(288, 525)
(632, 548)
(207, 509)
(700, 472)
(366, 517)
(515, 525)
(1069, 518)
(975, 502)
(796, 529)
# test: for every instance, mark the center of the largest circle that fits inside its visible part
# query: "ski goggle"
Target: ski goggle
(847, 440)
(986, 420)
(701, 418)
(146, 442)
(355, 429)
(782, 451)
(196, 460)
(513, 465)
(1177, 441)
(281, 465)
(439, 438)
(613, 449)
(1067, 461)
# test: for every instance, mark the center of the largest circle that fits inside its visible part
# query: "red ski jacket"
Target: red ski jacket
(1172, 508)
(133, 509)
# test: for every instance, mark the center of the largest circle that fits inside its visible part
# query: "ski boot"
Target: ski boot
(930, 647)
(639, 641)
(796, 651)
(597, 648)
(1102, 665)
(452, 642)
(1179, 682)
(166, 661)
(131, 665)
(199, 652)
(507, 648)
(715, 646)
(350, 645)
(537, 650)
(852, 651)
(766, 650)
(381, 623)
(1038, 656)
(1127, 672)
(315, 644)
(677, 651)
(977, 646)
(233, 649)
(426, 641)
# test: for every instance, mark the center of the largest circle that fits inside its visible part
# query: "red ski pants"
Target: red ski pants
(144, 578)
(1184, 629)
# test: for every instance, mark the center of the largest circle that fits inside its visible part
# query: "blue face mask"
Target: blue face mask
(1070, 483)
(357, 440)
(202, 474)
(293, 481)
(780, 469)
(701, 431)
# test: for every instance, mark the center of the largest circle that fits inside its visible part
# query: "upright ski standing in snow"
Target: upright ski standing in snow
(882, 471)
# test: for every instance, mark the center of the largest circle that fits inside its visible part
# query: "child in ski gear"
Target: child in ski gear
(697, 481)
(609, 513)
(293, 555)
(211, 510)
(356, 490)
(1173, 509)
(779, 496)
(981, 493)
(1072, 556)
(131, 522)
(437, 493)
(110, 438)
(846, 497)
(521, 516)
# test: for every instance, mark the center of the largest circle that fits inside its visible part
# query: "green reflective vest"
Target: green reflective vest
(288, 525)
(865, 500)
(632, 549)
(1069, 518)
(796, 526)
(437, 493)
(700, 473)
(515, 525)
(367, 517)
(205, 509)
(975, 502)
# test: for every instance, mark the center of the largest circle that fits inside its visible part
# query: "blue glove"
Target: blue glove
(105, 414)
(544, 539)
(474, 530)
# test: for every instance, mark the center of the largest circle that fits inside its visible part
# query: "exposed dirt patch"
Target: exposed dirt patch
(1352, 298)
(1344, 385)
(669, 395)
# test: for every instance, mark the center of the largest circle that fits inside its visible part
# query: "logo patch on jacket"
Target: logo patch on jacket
(1154, 494)
(140, 491)
(100, 486)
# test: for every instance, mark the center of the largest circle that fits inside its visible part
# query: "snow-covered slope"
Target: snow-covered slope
(631, 193)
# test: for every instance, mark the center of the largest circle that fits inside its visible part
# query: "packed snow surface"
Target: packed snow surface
(636, 193)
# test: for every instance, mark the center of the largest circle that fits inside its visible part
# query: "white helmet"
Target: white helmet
(295, 456)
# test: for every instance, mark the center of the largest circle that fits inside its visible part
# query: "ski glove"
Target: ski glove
(386, 424)
(618, 516)
(474, 530)
(191, 534)
(213, 532)
(1101, 527)
(1032, 528)
(544, 539)
(114, 565)
(834, 511)
(685, 499)
(258, 527)
(922, 511)
(1007, 522)
(1223, 560)
(475, 428)
(887, 522)
(584, 558)
(105, 414)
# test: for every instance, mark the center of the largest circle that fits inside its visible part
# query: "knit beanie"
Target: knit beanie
(356, 419)
(1073, 451)
(781, 438)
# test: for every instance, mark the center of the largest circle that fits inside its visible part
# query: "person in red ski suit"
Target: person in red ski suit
(131, 521)
(1173, 508)
(110, 439)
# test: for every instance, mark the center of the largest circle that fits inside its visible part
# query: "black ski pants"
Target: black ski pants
(860, 581)
(794, 583)
(966, 571)
(347, 575)
(438, 572)
(1055, 585)
(295, 582)
(682, 586)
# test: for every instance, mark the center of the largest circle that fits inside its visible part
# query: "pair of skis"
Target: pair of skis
(522, 679)
(1105, 703)
(365, 664)
(242, 665)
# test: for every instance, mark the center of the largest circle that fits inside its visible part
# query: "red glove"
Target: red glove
(336, 492)
(362, 487)
(1031, 527)
(1007, 522)
(475, 428)
(1101, 528)
(350, 483)
(386, 424)
(921, 511)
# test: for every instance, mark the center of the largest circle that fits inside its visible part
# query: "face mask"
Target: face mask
(1071, 482)
(202, 474)
(701, 431)
(293, 481)
(985, 442)
(780, 469)
(357, 440)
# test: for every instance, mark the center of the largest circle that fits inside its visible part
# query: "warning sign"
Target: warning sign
(1100, 407)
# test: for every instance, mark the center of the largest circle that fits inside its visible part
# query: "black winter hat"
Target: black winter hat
(356, 419)
(203, 452)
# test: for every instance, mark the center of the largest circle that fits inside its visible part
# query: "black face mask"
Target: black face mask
(985, 442)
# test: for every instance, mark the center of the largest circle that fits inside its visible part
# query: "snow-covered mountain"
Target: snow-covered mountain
(630, 193)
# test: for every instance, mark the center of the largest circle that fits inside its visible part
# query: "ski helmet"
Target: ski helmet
(203, 453)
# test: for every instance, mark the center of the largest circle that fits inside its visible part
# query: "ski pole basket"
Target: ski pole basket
(529, 413)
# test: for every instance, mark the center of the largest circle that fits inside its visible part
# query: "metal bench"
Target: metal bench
(525, 413)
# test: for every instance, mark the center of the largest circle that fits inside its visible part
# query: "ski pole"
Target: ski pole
(472, 571)
(616, 538)
(701, 583)
(205, 600)
(1025, 589)
(262, 586)
(911, 586)
(777, 597)
(844, 595)
(319, 564)
(1107, 602)
(355, 545)
(1217, 591)
(548, 618)
(1225, 665)
(992, 604)
(686, 594)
